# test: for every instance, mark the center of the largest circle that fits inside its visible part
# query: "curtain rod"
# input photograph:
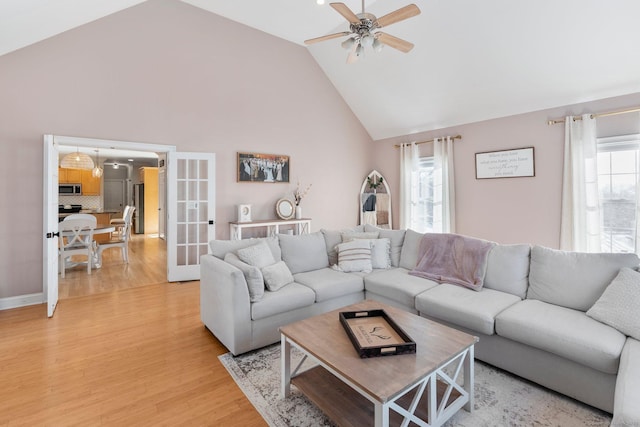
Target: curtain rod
(431, 140)
(593, 116)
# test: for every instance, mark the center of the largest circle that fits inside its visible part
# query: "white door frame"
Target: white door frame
(50, 246)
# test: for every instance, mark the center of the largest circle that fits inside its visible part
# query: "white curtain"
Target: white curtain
(444, 195)
(408, 164)
(580, 226)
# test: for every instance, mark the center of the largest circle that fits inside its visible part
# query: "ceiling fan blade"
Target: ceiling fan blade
(399, 15)
(344, 10)
(327, 37)
(394, 42)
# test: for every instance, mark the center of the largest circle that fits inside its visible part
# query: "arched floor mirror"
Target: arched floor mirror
(375, 201)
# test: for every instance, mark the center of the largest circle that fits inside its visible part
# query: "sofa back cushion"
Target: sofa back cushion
(395, 236)
(219, 248)
(508, 269)
(410, 246)
(304, 252)
(333, 238)
(573, 279)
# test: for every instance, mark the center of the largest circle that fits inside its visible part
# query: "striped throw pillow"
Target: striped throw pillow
(354, 256)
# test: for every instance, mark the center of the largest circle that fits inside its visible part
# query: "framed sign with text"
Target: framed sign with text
(515, 163)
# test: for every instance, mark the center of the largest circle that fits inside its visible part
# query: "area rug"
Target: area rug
(501, 399)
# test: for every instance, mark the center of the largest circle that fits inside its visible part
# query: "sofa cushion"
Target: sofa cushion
(354, 256)
(563, 331)
(348, 236)
(332, 238)
(508, 269)
(573, 279)
(289, 297)
(626, 411)
(410, 246)
(475, 310)
(253, 276)
(618, 306)
(396, 284)
(328, 283)
(219, 248)
(304, 252)
(276, 276)
(395, 236)
(258, 255)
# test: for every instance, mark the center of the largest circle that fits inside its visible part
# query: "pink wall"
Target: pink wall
(513, 210)
(165, 72)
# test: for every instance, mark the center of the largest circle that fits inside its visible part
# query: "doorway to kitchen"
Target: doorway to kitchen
(121, 173)
(190, 202)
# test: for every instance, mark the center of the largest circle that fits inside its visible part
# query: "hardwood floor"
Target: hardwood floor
(147, 265)
(126, 355)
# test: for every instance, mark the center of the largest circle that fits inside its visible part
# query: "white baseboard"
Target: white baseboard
(21, 301)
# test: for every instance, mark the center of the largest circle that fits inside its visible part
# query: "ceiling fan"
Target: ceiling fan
(362, 30)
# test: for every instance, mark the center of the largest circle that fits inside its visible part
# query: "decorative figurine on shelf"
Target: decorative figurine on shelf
(298, 195)
(374, 183)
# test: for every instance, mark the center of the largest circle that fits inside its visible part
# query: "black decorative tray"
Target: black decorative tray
(373, 333)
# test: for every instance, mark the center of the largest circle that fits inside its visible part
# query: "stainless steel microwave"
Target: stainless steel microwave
(70, 189)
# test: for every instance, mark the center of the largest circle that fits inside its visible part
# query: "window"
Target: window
(618, 171)
(422, 196)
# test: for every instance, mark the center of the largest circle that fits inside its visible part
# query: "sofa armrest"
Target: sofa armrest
(626, 408)
(225, 308)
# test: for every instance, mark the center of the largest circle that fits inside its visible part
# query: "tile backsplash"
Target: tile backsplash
(87, 202)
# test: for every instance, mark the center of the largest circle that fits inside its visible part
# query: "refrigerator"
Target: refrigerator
(138, 214)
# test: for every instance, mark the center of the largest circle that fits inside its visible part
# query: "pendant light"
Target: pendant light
(77, 160)
(97, 171)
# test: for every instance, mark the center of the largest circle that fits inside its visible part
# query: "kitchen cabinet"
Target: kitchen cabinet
(149, 177)
(102, 219)
(70, 176)
(90, 184)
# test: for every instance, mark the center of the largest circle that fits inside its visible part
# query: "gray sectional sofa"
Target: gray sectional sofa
(530, 315)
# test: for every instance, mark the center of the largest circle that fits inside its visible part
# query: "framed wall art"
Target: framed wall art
(515, 163)
(269, 168)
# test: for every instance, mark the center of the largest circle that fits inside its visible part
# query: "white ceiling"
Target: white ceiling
(111, 154)
(473, 60)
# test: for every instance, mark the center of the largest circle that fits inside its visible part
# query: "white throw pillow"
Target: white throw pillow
(253, 276)
(276, 276)
(258, 255)
(618, 305)
(354, 256)
(380, 252)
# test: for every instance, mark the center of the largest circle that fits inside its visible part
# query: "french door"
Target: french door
(191, 212)
(50, 226)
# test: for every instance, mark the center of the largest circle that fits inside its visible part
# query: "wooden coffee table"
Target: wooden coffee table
(381, 391)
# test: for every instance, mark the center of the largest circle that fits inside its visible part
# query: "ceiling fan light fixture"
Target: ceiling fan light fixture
(348, 43)
(367, 40)
(359, 50)
(377, 45)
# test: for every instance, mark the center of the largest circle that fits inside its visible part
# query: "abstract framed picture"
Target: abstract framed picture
(267, 168)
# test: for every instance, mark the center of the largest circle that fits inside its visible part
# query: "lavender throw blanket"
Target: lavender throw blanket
(451, 258)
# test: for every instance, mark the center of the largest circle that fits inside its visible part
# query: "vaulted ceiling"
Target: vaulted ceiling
(473, 59)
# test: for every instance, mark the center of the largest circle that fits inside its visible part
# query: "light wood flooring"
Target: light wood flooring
(127, 355)
(147, 265)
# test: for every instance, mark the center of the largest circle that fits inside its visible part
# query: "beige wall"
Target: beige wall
(513, 210)
(164, 72)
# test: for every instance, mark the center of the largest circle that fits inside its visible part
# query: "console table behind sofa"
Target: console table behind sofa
(302, 226)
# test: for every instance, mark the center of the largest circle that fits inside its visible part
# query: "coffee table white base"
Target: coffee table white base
(437, 410)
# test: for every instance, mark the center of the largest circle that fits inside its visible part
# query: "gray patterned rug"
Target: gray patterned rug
(501, 399)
